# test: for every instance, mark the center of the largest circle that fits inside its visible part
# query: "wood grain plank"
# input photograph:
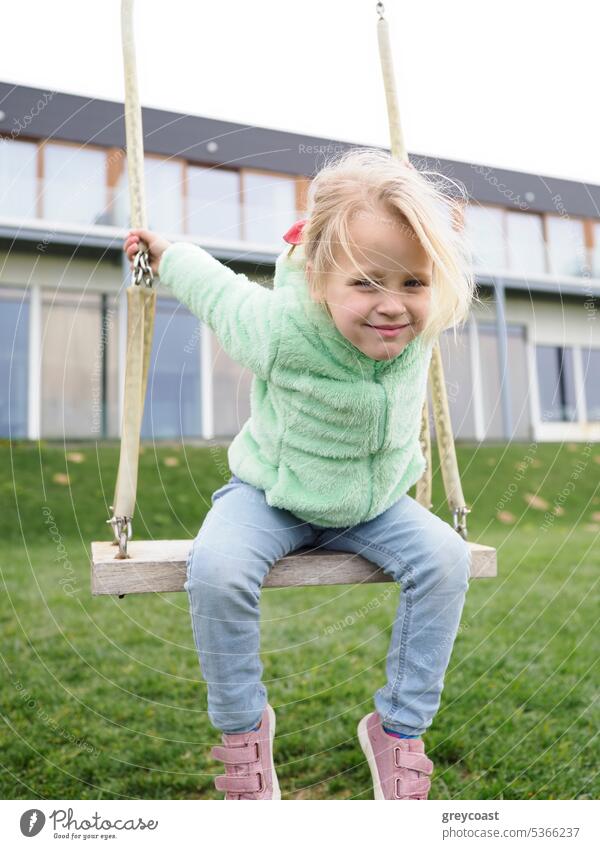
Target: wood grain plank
(159, 566)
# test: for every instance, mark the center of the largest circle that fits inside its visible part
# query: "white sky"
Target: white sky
(511, 84)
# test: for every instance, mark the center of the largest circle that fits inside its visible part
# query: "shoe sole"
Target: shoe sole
(365, 744)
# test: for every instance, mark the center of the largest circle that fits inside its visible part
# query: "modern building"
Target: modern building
(526, 367)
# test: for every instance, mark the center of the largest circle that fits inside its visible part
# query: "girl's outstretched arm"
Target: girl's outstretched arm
(241, 313)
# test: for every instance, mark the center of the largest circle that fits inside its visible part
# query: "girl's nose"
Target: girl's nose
(390, 303)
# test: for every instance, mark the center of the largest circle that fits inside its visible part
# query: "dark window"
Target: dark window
(14, 358)
(591, 379)
(557, 384)
(173, 404)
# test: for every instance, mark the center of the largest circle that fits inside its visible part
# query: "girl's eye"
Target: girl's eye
(368, 283)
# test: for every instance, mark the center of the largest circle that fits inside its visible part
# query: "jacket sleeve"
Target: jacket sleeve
(241, 313)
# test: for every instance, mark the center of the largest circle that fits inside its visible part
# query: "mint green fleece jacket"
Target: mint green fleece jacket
(333, 434)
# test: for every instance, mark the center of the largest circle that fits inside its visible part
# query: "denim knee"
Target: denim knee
(219, 573)
(454, 562)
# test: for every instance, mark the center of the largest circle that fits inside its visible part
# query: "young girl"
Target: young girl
(340, 350)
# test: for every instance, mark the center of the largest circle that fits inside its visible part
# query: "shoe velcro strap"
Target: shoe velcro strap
(413, 760)
(239, 783)
(236, 754)
(412, 786)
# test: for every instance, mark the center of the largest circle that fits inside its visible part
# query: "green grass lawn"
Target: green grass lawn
(103, 698)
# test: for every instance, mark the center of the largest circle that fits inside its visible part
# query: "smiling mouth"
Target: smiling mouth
(387, 326)
(388, 331)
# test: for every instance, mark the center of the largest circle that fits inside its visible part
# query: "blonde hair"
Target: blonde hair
(363, 179)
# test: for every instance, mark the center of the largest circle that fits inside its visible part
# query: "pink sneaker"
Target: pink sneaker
(397, 765)
(248, 757)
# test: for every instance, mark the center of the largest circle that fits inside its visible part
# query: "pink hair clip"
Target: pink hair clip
(294, 234)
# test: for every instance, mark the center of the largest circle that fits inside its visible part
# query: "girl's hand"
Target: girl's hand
(156, 247)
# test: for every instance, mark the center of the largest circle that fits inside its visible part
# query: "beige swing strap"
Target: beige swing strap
(441, 412)
(141, 303)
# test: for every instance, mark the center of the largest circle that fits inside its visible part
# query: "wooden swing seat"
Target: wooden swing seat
(159, 566)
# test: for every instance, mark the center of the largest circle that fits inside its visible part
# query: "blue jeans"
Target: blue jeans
(242, 537)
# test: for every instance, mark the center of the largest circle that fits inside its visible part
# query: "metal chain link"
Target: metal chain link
(142, 270)
(460, 524)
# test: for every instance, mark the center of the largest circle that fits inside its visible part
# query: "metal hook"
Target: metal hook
(123, 532)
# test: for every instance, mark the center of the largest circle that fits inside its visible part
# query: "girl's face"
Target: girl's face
(391, 254)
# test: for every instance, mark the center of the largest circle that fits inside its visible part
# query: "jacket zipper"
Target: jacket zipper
(382, 424)
(383, 419)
